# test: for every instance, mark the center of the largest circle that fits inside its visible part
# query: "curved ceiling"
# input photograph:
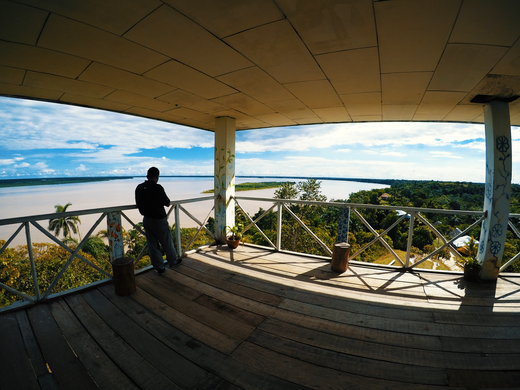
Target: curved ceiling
(264, 62)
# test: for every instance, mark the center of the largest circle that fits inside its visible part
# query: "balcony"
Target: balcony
(258, 319)
(254, 318)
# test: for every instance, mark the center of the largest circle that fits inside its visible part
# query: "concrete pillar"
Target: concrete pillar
(224, 175)
(498, 188)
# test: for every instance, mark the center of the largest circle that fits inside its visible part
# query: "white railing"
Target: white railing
(412, 214)
(26, 223)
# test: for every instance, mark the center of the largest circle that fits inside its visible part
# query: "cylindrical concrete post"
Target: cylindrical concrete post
(123, 276)
(340, 254)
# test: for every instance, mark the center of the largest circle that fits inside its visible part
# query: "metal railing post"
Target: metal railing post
(31, 259)
(178, 231)
(410, 238)
(279, 227)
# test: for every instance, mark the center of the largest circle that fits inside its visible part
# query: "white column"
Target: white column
(498, 188)
(224, 175)
(115, 235)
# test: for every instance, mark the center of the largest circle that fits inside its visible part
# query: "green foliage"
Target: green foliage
(236, 231)
(252, 186)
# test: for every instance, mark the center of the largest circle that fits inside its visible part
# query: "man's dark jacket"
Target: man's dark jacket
(151, 199)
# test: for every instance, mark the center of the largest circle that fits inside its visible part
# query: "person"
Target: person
(151, 199)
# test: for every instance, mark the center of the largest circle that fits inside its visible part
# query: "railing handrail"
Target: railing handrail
(39, 217)
(367, 206)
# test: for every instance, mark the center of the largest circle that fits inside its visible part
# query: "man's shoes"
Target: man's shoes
(160, 271)
(175, 264)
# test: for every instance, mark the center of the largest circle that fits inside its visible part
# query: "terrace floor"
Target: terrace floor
(256, 319)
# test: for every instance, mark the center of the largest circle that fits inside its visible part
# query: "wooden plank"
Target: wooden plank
(209, 336)
(405, 326)
(103, 370)
(45, 378)
(65, 366)
(481, 379)
(172, 365)
(338, 358)
(230, 311)
(168, 282)
(213, 319)
(480, 346)
(409, 355)
(138, 369)
(15, 365)
(359, 332)
(313, 376)
(234, 374)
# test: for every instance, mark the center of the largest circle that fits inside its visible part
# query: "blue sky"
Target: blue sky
(39, 139)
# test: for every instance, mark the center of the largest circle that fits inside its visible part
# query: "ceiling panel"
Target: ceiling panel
(185, 99)
(401, 112)
(115, 16)
(362, 103)
(510, 63)
(463, 66)
(333, 114)
(228, 17)
(315, 94)
(19, 23)
(352, 71)
(68, 36)
(134, 99)
(57, 83)
(145, 112)
(41, 60)
(436, 103)
(277, 49)
(171, 33)
(412, 34)
(11, 75)
(464, 113)
(404, 88)
(191, 80)
(244, 103)
(483, 22)
(257, 84)
(30, 92)
(265, 62)
(120, 79)
(93, 102)
(275, 119)
(333, 25)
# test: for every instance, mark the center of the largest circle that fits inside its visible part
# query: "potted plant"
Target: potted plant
(471, 268)
(233, 239)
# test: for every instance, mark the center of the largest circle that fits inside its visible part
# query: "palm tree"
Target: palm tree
(66, 225)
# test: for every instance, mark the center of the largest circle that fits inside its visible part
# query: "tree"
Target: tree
(287, 190)
(64, 225)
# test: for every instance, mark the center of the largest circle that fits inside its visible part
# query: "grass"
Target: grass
(387, 258)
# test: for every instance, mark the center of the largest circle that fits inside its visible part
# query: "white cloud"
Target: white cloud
(22, 165)
(81, 168)
(343, 150)
(444, 154)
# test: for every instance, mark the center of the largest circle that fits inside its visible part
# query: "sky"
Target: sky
(39, 139)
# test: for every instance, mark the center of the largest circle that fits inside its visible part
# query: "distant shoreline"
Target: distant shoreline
(5, 183)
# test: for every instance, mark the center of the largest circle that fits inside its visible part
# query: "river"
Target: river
(36, 200)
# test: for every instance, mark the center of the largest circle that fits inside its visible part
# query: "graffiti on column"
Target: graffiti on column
(499, 199)
(115, 235)
(224, 161)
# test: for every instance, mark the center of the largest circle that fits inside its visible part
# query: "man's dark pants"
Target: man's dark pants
(158, 231)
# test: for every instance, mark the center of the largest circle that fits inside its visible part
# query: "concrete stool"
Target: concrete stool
(340, 254)
(123, 275)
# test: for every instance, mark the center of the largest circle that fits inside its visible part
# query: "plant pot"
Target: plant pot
(233, 244)
(472, 273)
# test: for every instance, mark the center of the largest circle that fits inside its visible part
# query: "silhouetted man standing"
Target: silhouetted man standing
(151, 199)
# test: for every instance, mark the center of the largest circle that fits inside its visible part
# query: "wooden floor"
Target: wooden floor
(253, 319)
